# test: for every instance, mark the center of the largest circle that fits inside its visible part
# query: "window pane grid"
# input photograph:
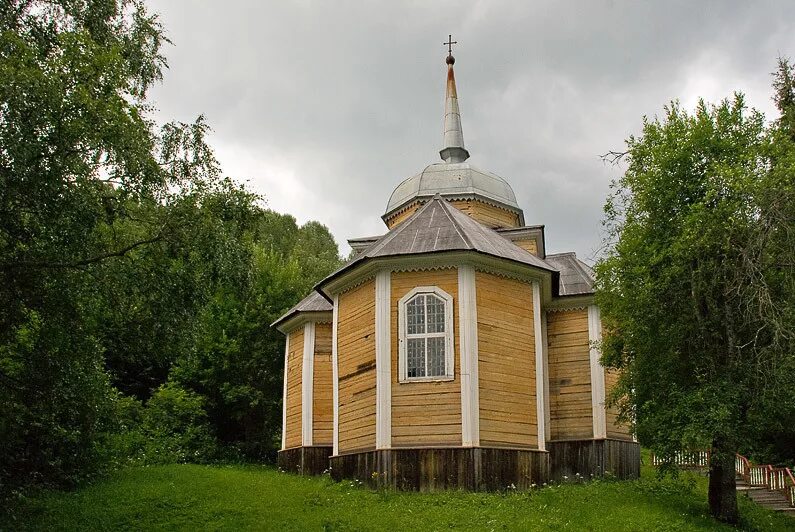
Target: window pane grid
(426, 342)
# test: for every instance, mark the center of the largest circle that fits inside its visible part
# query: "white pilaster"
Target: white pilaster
(541, 377)
(335, 385)
(284, 392)
(383, 361)
(545, 353)
(597, 373)
(307, 383)
(470, 397)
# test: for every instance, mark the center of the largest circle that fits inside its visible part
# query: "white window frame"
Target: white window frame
(449, 355)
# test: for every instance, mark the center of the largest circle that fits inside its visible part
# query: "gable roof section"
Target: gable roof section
(576, 277)
(314, 303)
(438, 227)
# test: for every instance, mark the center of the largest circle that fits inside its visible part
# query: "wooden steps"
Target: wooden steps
(772, 500)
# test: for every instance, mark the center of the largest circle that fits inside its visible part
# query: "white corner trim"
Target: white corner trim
(597, 373)
(545, 353)
(383, 361)
(468, 327)
(284, 393)
(335, 385)
(540, 366)
(449, 344)
(307, 383)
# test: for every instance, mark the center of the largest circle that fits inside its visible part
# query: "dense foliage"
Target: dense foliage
(697, 286)
(136, 283)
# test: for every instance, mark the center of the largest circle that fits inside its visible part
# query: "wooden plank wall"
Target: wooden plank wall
(295, 359)
(506, 362)
(570, 403)
(485, 213)
(425, 413)
(356, 364)
(401, 217)
(322, 407)
(470, 468)
(488, 215)
(527, 244)
(614, 429)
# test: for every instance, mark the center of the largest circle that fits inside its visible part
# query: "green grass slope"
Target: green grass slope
(190, 497)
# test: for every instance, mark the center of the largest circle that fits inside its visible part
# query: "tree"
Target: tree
(237, 362)
(697, 282)
(87, 183)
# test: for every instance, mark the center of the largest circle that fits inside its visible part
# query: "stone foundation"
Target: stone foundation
(617, 458)
(305, 460)
(473, 469)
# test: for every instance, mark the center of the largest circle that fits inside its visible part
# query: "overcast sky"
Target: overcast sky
(324, 107)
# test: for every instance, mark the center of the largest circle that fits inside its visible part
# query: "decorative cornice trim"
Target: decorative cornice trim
(468, 330)
(581, 301)
(597, 373)
(383, 361)
(443, 260)
(419, 200)
(370, 276)
(302, 318)
(307, 383)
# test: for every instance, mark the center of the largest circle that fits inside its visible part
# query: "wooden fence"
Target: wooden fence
(772, 478)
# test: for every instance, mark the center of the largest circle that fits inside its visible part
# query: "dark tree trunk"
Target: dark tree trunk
(722, 483)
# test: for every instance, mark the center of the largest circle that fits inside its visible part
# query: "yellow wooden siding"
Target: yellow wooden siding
(485, 213)
(356, 363)
(401, 217)
(295, 359)
(570, 402)
(527, 244)
(322, 406)
(506, 362)
(614, 429)
(425, 413)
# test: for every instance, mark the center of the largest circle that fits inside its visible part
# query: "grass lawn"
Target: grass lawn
(190, 497)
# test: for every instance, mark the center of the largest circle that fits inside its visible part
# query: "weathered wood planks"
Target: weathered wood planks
(356, 364)
(294, 397)
(506, 362)
(433, 469)
(570, 401)
(425, 413)
(312, 460)
(620, 459)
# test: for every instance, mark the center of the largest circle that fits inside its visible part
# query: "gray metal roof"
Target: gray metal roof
(314, 302)
(437, 227)
(576, 277)
(453, 180)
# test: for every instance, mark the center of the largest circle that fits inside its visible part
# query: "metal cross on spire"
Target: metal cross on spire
(450, 42)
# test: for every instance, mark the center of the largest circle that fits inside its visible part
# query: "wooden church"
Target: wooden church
(452, 351)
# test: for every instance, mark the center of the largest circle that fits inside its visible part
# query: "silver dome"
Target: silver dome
(453, 181)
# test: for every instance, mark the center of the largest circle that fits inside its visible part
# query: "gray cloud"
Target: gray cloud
(326, 106)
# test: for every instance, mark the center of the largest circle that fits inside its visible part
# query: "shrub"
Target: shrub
(176, 427)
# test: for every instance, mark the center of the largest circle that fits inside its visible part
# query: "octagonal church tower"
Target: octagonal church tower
(452, 351)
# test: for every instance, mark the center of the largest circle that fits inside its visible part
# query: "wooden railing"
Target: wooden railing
(686, 459)
(778, 479)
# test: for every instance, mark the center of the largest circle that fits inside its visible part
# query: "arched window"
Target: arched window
(426, 334)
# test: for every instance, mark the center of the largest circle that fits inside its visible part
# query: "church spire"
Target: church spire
(453, 150)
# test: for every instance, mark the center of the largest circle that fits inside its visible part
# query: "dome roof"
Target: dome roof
(453, 180)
